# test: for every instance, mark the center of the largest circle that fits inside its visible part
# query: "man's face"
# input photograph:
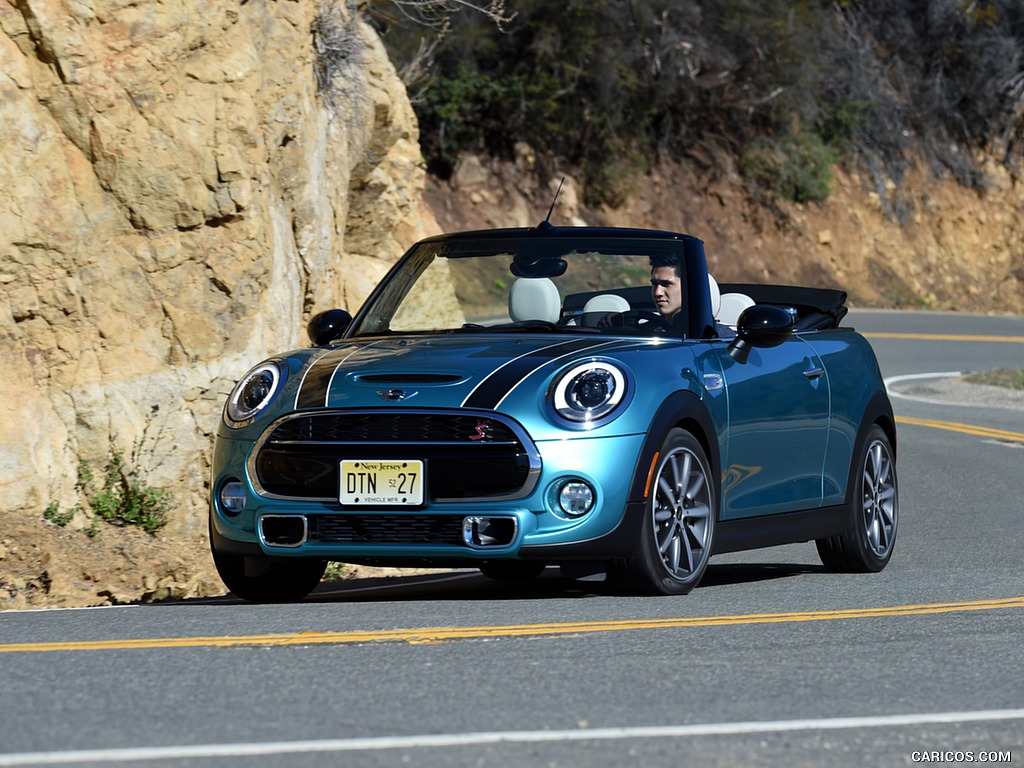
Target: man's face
(667, 291)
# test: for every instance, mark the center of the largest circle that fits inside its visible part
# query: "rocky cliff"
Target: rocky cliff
(180, 184)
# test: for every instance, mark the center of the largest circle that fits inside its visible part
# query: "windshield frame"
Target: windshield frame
(536, 252)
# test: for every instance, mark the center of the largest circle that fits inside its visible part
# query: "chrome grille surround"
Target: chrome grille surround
(419, 429)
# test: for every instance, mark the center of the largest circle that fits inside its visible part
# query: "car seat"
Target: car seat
(716, 297)
(733, 305)
(534, 298)
(602, 304)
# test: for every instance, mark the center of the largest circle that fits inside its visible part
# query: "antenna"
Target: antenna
(547, 219)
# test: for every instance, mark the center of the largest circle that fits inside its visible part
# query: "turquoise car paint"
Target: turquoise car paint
(615, 436)
(778, 430)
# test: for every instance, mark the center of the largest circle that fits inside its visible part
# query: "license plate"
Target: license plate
(381, 482)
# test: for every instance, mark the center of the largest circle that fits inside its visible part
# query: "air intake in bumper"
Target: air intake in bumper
(489, 531)
(283, 530)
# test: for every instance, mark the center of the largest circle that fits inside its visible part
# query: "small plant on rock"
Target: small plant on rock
(59, 518)
(123, 499)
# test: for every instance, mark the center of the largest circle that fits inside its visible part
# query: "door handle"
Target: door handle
(813, 373)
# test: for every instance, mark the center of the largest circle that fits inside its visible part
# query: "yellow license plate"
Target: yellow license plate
(381, 482)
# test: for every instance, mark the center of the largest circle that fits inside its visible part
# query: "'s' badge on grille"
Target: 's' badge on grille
(483, 432)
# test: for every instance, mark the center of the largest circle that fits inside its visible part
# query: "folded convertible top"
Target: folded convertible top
(817, 308)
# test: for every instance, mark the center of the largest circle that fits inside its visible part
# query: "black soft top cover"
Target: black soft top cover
(816, 308)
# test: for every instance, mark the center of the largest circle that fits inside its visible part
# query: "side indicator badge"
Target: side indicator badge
(650, 473)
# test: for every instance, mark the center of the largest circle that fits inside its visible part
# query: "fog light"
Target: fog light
(576, 498)
(232, 497)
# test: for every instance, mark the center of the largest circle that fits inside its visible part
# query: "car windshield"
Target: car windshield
(529, 284)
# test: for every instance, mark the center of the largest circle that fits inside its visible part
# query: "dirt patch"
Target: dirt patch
(42, 564)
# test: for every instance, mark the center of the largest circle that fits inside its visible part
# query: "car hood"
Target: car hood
(440, 372)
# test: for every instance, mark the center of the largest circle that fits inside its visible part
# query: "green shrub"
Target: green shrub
(587, 84)
(797, 168)
(55, 516)
(123, 499)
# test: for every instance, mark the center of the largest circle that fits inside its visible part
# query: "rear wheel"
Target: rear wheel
(866, 545)
(268, 579)
(679, 522)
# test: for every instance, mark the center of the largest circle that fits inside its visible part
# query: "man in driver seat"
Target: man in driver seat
(666, 286)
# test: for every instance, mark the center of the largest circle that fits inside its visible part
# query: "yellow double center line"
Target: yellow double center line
(443, 634)
(952, 426)
(944, 337)
(967, 429)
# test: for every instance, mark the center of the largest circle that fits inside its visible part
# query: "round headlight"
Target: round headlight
(589, 391)
(253, 393)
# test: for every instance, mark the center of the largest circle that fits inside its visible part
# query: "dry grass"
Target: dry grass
(1011, 379)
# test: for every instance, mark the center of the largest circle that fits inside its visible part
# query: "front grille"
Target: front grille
(393, 427)
(466, 456)
(385, 529)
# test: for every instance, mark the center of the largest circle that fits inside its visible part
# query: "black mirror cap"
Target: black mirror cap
(763, 325)
(325, 327)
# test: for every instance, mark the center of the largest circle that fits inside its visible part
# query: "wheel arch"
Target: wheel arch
(683, 410)
(878, 411)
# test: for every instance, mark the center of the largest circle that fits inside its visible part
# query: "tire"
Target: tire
(268, 579)
(512, 570)
(678, 530)
(866, 545)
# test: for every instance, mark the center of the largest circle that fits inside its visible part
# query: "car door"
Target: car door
(778, 419)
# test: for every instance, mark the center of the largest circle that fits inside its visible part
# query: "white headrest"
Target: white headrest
(606, 302)
(733, 305)
(716, 296)
(534, 298)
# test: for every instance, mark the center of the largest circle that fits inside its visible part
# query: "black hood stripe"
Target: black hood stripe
(317, 381)
(493, 389)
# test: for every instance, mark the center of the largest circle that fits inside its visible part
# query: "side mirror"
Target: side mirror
(762, 325)
(327, 326)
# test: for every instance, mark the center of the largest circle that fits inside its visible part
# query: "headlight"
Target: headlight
(254, 392)
(589, 392)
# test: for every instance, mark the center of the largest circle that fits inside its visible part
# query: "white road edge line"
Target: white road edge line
(501, 737)
(916, 377)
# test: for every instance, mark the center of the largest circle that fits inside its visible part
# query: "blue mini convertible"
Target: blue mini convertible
(586, 398)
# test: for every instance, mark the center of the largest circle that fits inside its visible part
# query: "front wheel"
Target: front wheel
(679, 522)
(866, 545)
(268, 579)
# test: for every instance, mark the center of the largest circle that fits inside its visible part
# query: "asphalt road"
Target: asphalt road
(770, 662)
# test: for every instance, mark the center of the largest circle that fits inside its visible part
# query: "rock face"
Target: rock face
(181, 185)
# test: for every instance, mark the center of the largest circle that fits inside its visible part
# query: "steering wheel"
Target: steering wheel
(641, 318)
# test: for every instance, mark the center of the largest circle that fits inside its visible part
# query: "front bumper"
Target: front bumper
(445, 533)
